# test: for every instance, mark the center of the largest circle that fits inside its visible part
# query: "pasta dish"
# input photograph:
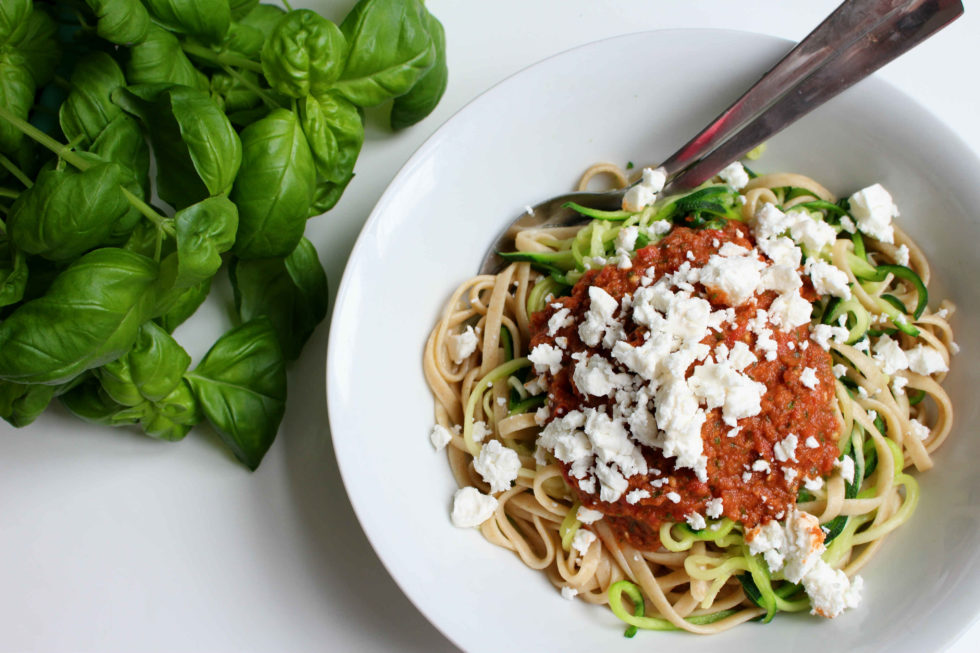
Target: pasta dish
(701, 409)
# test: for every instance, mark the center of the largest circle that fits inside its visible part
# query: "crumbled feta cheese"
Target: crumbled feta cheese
(847, 224)
(822, 334)
(734, 175)
(568, 593)
(918, 429)
(785, 449)
(809, 378)
(902, 254)
(790, 473)
(587, 515)
(714, 508)
(480, 431)
(633, 497)
(696, 521)
(761, 466)
(782, 251)
(599, 316)
(813, 484)
(926, 360)
(498, 465)
(546, 358)
(739, 277)
(814, 235)
(596, 376)
(471, 507)
(892, 357)
(626, 238)
(645, 192)
(789, 311)
(462, 345)
(582, 540)
(873, 208)
(673, 497)
(828, 279)
(846, 468)
(440, 437)
(831, 591)
(812, 442)
(559, 320)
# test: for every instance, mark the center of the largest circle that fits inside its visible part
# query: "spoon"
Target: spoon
(858, 38)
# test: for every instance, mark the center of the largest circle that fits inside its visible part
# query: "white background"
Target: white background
(110, 541)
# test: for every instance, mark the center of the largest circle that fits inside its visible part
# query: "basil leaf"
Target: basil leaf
(174, 415)
(292, 292)
(16, 94)
(390, 49)
(197, 150)
(241, 387)
(274, 188)
(120, 21)
(149, 371)
(122, 142)
(304, 54)
(335, 133)
(90, 315)
(21, 404)
(159, 59)
(38, 45)
(13, 19)
(205, 19)
(420, 101)
(13, 273)
(183, 305)
(241, 8)
(89, 107)
(204, 231)
(68, 212)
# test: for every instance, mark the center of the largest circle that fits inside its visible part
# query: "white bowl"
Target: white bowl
(632, 98)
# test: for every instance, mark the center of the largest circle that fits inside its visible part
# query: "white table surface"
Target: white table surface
(110, 541)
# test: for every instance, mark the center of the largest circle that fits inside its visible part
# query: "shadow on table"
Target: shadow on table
(345, 567)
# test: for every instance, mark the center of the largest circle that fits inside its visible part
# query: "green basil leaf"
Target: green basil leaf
(264, 18)
(89, 401)
(38, 45)
(204, 232)
(335, 133)
(120, 21)
(183, 305)
(89, 107)
(233, 95)
(13, 19)
(68, 212)
(327, 195)
(159, 59)
(149, 371)
(13, 273)
(205, 19)
(292, 292)
(390, 49)
(197, 150)
(274, 188)
(241, 387)
(16, 94)
(90, 315)
(419, 102)
(241, 8)
(304, 54)
(21, 404)
(122, 142)
(245, 40)
(173, 416)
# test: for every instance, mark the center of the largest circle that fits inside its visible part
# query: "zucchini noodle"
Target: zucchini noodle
(703, 580)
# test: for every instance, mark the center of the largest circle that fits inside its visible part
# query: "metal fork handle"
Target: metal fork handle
(876, 41)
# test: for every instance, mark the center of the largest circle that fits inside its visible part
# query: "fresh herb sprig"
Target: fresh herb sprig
(145, 145)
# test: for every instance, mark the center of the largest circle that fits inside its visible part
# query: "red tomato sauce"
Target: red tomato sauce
(788, 406)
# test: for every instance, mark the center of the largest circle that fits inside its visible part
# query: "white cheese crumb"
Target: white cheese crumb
(918, 429)
(588, 515)
(568, 593)
(440, 437)
(673, 497)
(471, 507)
(714, 508)
(809, 378)
(785, 449)
(582, 540)
(812, 443)
(498, 465)
(926, 360)
(846, 468)
(828, 279)
(462, 345)
(546, 358)
(480, 431)
(633, 497)
(902, 254)
(873, 208)
(696, 521)
(734, 175)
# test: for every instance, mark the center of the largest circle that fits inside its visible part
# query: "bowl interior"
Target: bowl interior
(632, 98)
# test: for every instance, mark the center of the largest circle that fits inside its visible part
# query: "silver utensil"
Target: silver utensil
(858, 38)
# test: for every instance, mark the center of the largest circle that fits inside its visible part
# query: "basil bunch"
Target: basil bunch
(147, 145)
